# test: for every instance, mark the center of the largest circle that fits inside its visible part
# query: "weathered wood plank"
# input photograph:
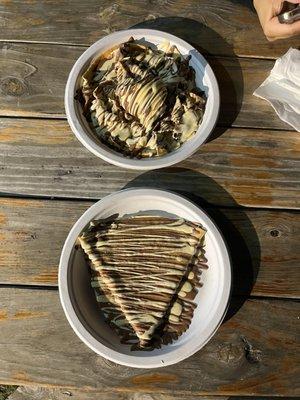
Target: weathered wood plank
(253, 353)
(256, 168)
(220, 27)
(33, 78)
(263, 244)
(41, 393)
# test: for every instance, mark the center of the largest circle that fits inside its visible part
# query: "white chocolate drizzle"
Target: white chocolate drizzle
(138, 280)
(142, 101)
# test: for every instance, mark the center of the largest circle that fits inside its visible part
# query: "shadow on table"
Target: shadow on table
(227, 69)
(238, 231)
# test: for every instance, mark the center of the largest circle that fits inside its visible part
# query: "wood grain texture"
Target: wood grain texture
(220, 27)
(263, 244)
(253, 352)
(256, 168)
(33, 78)
(41, 393)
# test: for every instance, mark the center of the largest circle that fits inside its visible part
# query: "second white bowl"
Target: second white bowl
(78, 299)
(205, 80)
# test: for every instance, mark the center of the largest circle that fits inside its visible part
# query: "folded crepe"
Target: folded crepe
(145, 270)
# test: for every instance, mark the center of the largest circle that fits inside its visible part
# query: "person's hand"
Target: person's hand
(267, 11)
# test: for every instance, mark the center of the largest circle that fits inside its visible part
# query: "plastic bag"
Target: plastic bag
(282, 88)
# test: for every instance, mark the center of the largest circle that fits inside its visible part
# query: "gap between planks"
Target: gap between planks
(255, 239)
(252, 353)
(86, 46)
(234, 297)
(39, 393)
(7, 195)
(64, 118)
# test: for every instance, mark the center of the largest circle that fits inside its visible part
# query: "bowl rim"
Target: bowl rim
(118, 159)
(84, 334)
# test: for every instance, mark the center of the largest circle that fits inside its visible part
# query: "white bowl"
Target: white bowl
(205, 80)
(78, 299)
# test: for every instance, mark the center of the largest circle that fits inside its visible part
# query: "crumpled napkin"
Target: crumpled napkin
(282, 88)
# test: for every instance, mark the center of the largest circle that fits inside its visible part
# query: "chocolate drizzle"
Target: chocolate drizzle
(145, 273)
(142, 101)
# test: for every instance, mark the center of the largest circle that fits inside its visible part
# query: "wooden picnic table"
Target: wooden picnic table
(246, 176)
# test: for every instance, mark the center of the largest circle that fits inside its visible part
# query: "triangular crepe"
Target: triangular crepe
(142, 266)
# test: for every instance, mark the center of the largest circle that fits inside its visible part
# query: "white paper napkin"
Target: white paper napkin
(282, 88)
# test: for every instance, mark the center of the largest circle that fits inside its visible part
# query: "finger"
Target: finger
(277, 5)
(275, 30)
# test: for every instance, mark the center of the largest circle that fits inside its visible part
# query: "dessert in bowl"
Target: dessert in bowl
(144, 278)
(142, 99)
